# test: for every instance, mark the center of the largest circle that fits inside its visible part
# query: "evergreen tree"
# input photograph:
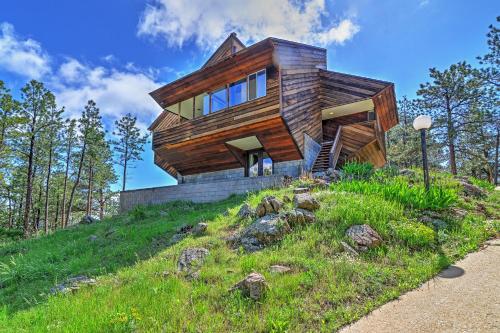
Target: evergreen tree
(130, 143)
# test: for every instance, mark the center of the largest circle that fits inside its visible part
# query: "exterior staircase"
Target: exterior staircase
(322, 162)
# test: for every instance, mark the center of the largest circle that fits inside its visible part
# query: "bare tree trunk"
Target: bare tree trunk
(47, 185)
(77, 181)
(10, 220)
(101, 204)
(125, 169)
(89, 192)
(496, 156)
(65, 186)
(39, 201)
(451, 139)
(29, 184)
(57, 213)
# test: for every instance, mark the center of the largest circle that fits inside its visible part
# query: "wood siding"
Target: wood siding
(330, 126)
(300, 88)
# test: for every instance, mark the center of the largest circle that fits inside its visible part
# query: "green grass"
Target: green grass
(326, 289)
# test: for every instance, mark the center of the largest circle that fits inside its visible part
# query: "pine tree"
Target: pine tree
(130, 143)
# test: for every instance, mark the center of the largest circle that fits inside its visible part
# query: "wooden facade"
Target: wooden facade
(301, 97)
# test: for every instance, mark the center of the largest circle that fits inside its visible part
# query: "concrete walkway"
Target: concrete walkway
(463, 298)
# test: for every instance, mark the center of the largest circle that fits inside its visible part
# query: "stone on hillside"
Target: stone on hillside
(300, 190)
(364, 236)
(200, 228)
(299, 216)
(407, 172)
(191, 259)
(279, 269)
(305, 201)
(286, 199)
(458, 212)
(349, 249)
(472, 190)
(263, 232)
(253, 286)
(92, 238)
(109, 232)
(87, 219)
(245, 211)
(436, 223)
(268, 205)
(72, 284)
(163, 213)
(185, 229)
(176, 238)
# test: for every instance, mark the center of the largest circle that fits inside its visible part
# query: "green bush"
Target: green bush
(138, 213)
(398, 190)
(484, 184)
(354, 170)
(414, 235)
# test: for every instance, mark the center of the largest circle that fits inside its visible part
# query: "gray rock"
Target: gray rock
(407, 172)
(299, 216)
(458, 213)
(279, 269)
(472, 190)
(300, 190)
(436, 223)
(364, 236)
(176, 238)
(200, 228)
(245, 211)
(163, 213)
(87, 219)
(109, 232)
(305, 201)
(263, 232)
(72, 284)
(253, 286)
(349, 249)
(93, 238)
(268, 205)
(191, 259)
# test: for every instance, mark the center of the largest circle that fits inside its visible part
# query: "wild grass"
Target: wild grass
(139, 289)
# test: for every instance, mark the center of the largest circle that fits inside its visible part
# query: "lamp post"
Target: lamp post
(421, 123)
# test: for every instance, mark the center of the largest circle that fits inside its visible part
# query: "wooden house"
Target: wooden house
(269, 108)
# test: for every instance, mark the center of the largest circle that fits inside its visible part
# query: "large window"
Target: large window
(259, 164)
(238, 92)
(219, 99)
(249, 88)
(257, 85)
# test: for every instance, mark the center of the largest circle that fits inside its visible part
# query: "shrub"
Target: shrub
(138, 213)
(484, 184)
(354, 170)
(414, 235)
(398, 190)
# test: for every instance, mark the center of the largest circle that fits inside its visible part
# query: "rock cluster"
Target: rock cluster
(186, 230)
(364, 236)
(253, 286)
(268, 205)
(274, 223)
(72, 284)
(470, 189)
(245, 211)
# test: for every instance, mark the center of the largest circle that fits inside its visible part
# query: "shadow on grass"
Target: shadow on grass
(30, 268)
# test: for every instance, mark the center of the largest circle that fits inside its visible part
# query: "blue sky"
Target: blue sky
(116, 51)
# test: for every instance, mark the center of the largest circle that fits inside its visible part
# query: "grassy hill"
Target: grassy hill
(139, 289)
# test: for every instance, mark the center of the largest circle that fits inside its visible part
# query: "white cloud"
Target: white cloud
(208, 22)
(116, 91)
(22, 56)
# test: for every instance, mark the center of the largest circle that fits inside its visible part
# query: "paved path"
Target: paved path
(463, 298)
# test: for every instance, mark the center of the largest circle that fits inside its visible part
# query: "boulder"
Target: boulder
(279, 269)
(268, 205)
(299, 216)
(253, 286)
(263, 232)
(72, 284)
(305, 201)
(300, 190)
(87, 219)
(92, 238)
(176, 238)
(191, 259)
(364, 236)
(200, 228)
(472, 190)
(245, 211)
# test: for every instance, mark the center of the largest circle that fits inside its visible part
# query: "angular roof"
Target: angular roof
(228, 47)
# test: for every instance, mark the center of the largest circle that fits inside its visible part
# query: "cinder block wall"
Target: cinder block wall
(197, 192)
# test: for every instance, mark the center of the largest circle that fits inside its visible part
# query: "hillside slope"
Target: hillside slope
(139, 288)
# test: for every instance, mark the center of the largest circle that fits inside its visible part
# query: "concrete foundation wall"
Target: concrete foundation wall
(197, 192)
